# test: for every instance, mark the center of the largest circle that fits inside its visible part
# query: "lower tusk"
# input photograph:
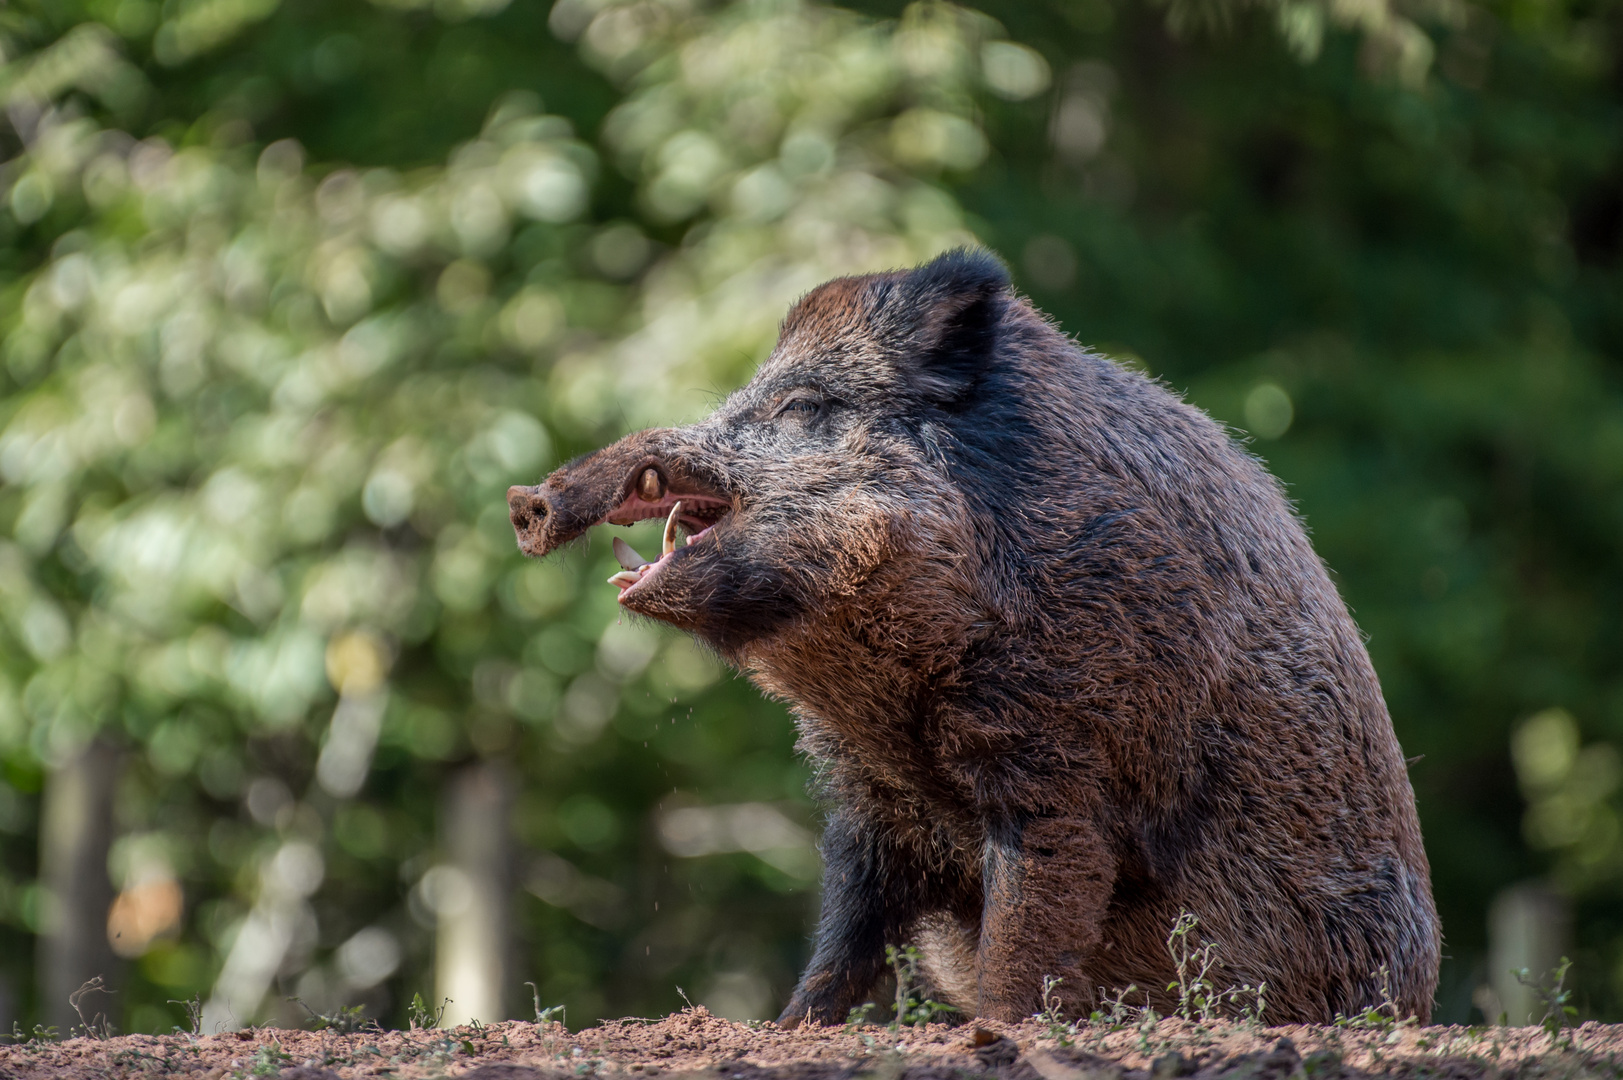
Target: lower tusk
(670, 529)
(627, 556)
(626, 578)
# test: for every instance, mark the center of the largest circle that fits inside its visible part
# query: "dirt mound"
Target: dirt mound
(694, 1042)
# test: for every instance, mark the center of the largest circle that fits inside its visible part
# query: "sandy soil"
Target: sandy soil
(692, 1043)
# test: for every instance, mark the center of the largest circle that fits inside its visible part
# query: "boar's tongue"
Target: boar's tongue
(637, 567)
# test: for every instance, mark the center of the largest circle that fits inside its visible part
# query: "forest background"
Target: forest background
(292, 291)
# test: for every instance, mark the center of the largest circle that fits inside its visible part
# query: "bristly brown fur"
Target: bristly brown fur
(1063, 655)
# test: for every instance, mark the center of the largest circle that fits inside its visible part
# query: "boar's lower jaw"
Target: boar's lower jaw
(696, 514)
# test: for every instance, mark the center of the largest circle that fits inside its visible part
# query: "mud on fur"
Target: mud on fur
(1060, 650)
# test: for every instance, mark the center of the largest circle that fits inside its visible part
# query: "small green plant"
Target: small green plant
(1556, 996)
(913, 1009)
(1147, 1021)
(549, 1014)
(97, 1025)
(194, 1012)
(859, 1016)
(436, 1055)
(1253, 1012)
(1052, 1014)
(268, 1062)
(419, 1015)
(1114, 1013)
(344, 1020)
(1193, 958)
(40, 1034)
(1382, 1017)
(132, 1062)
(1199, 999)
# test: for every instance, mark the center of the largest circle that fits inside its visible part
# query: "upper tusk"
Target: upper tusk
(670, 529)
(627, 555)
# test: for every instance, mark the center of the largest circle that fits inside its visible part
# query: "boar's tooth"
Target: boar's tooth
(625, 579)
(670, 529)
(651, 486)
(627, 555)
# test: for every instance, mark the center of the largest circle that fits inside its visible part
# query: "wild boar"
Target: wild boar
(1059, 648)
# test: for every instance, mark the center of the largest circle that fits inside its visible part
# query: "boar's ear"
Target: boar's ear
(950, 310)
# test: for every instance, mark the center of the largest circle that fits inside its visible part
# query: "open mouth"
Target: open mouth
(689, 517)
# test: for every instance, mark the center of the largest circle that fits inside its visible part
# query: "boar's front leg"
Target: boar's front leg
(1047, 883)
(869, 898)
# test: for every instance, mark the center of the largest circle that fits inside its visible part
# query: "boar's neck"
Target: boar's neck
(871, 680)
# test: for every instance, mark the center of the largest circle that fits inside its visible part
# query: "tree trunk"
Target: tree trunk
(474, 936)
(76, 831)
(1528, 928)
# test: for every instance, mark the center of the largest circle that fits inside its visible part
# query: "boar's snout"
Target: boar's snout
(528, 509)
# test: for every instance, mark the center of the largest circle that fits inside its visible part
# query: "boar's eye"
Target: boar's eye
(803, 408)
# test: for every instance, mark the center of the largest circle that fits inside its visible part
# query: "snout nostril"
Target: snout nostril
(526, 502)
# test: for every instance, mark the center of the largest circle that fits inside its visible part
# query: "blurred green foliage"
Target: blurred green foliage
(292, 292)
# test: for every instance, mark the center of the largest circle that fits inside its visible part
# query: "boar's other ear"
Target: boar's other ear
(949, 312)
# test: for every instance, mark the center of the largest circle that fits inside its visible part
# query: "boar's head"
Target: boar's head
(821, 485)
